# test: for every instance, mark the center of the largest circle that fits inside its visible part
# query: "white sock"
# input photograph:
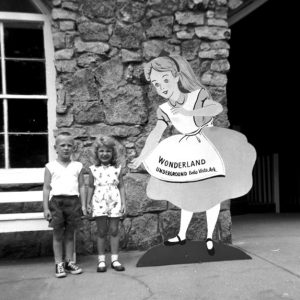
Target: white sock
(101, 258)
(114, 258)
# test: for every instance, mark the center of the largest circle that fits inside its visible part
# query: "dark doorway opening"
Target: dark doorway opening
(262, 105)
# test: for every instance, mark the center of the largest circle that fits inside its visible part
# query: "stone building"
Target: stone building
(77, 66)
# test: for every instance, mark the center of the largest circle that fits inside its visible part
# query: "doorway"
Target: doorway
(262, 105)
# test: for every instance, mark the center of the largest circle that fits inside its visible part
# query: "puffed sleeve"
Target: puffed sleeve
(202, 97)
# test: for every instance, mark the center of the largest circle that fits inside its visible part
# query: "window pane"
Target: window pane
(1, 116)
(27, 115)
(23, 42)
(18, 6)
(28, 151)
(25, 77)
(1, 151)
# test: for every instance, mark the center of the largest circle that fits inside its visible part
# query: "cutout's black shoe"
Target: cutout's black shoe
(212, 250)
(117, 267)
(179, 242)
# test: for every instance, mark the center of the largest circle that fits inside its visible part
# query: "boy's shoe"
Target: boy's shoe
(72, 268)
(60, 270)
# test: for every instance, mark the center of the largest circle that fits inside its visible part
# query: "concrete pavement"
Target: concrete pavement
(272, 240)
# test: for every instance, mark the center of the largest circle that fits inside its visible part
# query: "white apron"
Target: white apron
(185, 157)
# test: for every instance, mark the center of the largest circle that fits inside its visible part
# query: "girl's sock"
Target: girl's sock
(101, 261)
(114, 259)
(101, 258)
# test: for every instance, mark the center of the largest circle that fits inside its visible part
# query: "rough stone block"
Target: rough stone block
(131, 11)
(92, 31)
(144, 232)
(93, 47)
(127, 36)
(125, 105)
(213, 32)
(161, 27)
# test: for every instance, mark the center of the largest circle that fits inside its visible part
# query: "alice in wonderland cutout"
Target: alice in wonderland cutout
(203, 165)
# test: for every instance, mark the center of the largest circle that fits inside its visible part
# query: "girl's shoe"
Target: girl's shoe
(117, 267)
(180, 242)
(212, 250)
(101, 267)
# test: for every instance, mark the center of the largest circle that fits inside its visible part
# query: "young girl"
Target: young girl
(204, 165)
(106, 192)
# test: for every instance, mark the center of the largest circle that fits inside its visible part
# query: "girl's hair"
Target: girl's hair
(188, 81)
(105, 141)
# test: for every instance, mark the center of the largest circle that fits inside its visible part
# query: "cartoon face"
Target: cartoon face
(165, 84)
(64, 147)
(105, 155)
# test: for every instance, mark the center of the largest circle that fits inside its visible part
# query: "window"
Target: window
(27, 86)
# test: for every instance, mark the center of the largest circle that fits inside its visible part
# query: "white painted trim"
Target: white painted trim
(244, 11)
(23, 222)
(42, 7)
(26, 196)
(20, 176)
(12, 16)
(25, 97)
(22, 216)
(51, 87)
(5, 113)
(50, 71)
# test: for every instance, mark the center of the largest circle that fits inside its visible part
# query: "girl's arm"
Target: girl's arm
(122, 192)
(46, 194)
(82, 192)
(90, 190)
(205, 107)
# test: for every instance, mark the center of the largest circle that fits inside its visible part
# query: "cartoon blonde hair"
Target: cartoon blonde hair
(178, 66)
(109, 142)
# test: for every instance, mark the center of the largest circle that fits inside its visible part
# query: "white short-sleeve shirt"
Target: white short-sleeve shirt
(64, 180)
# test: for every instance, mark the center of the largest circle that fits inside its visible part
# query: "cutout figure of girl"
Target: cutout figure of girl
(204, 165)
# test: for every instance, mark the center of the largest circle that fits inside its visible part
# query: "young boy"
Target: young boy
(63, 184)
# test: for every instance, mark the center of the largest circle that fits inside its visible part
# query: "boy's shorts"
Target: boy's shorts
(66, 212)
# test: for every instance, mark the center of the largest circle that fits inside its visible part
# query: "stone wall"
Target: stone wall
(100, 48)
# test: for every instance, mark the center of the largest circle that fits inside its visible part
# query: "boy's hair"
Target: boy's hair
(109, 142)
(63, 133)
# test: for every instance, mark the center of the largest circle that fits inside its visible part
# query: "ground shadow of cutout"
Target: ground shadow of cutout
(191, 252)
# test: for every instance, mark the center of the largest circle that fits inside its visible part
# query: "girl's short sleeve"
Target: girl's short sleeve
(161, 116)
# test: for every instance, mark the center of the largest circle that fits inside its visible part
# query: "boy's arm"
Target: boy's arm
(82, 192)
(122, 192)
(90, 190)
(46, 193)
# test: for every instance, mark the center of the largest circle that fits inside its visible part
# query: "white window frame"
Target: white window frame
(27, 175)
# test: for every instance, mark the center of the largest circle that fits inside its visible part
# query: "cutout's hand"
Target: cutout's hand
(180, 110)
(135, 163)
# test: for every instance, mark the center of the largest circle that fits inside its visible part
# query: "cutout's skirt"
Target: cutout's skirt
(238, 157)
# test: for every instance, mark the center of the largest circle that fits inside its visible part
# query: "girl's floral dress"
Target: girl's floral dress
(106, 199)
